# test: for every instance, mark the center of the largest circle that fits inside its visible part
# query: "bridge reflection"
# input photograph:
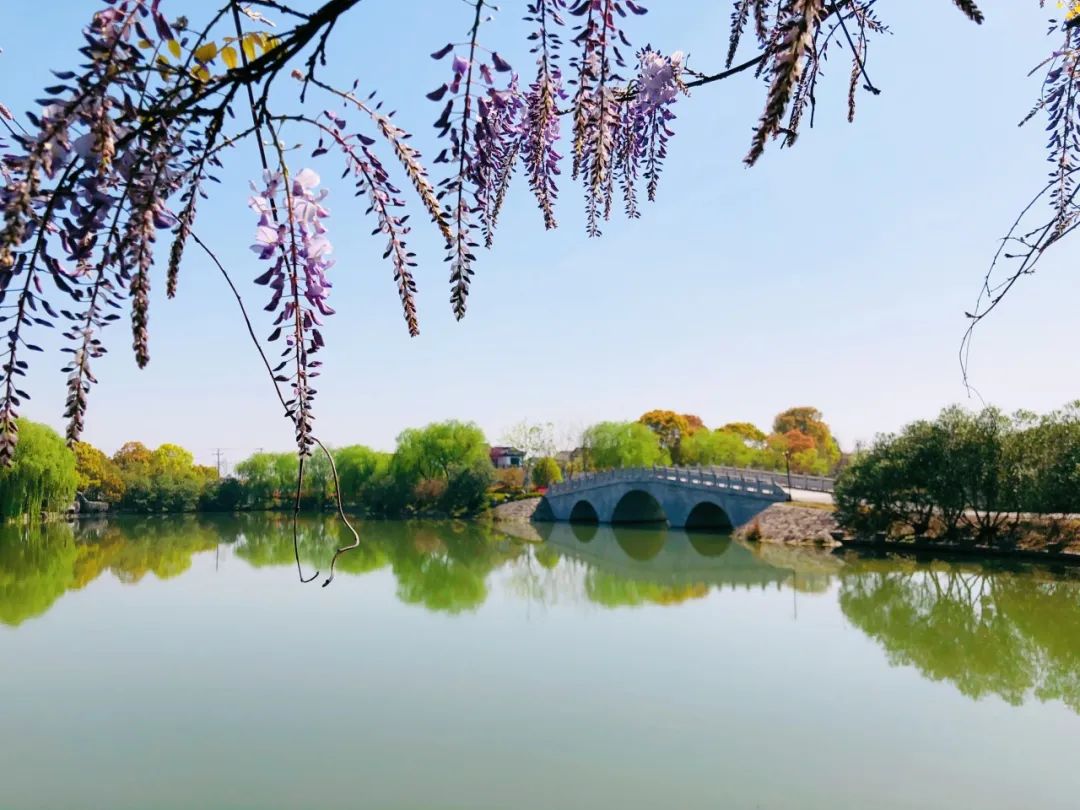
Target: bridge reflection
(662, 555)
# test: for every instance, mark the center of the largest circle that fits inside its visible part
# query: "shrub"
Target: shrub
(466, 489)
(546, 472)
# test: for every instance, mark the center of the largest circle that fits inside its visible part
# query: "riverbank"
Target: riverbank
(515, 511)
(792, 524)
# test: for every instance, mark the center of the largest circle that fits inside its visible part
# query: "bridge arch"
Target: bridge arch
(709, 516)
(584, 512)
(638, 506)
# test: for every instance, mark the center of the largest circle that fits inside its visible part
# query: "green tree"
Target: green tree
(222, 495)
(965, 475)
(623, 444)
(445, 465)
(435, 450)
(256, 473)
(42, 476)
(466, 488)
(750, 433)
(546, 472)
(162, 480)
(99, 476)
(357, 467)
(269, 479)
(717, 447)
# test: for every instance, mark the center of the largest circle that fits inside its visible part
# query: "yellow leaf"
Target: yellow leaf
(205, 53)
(248, 44)
(162, 59)
(144, 44)
(174, 48)
(270, 43)
(201, 73)
(229, 55)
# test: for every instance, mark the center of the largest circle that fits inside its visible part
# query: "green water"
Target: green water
(180, 663)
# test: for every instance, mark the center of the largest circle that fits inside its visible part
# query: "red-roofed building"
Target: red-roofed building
(506, 457)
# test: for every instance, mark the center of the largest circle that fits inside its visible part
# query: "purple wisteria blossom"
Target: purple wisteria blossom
(481, 122)
(83, 200)
(373, 181)
(596, 104)
(291, 236)
(646, 125)
(497, 137)
(541, 125)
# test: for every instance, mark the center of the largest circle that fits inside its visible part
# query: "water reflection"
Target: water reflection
(39, 565)
(988, 629)
(1013, 632)
(443, 566)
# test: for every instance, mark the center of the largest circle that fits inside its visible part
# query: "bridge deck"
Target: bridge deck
(733, 478)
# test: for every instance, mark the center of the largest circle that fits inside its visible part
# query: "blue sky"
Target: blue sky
(835, 274)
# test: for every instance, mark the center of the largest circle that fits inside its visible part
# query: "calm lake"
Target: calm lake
(181, 663)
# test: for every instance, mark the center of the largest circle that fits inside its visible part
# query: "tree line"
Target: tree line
(971, 477)
(443, 468)
(800, 440)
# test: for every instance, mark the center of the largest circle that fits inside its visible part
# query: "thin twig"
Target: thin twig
(277, 390)
(341, 513)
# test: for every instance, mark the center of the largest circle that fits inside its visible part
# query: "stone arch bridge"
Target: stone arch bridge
(692, 498)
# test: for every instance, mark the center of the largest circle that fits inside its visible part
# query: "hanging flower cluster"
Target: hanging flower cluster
(541, 129)
(292, 237)
(480, 121)
(124, 151)
(646, 124)
(371, 180)
(620, 129)
(83, 201)
(596, 101)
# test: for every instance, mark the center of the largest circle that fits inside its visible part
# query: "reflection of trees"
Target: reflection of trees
(446, 565)
(612, 590)
(162, 546)
(985, 630)
(440, 565)
(34, 570)
(38, 565)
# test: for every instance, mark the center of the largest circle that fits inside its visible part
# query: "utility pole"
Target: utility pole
(218, 455)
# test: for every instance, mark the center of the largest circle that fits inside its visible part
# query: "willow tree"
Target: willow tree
(41, 477)
(123, 154)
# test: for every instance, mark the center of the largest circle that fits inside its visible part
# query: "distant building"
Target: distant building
(505, 457)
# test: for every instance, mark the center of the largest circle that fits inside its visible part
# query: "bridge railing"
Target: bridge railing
(810, 483)
(732, 478)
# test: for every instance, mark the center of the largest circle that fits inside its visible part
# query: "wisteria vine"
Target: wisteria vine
(123, 154)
